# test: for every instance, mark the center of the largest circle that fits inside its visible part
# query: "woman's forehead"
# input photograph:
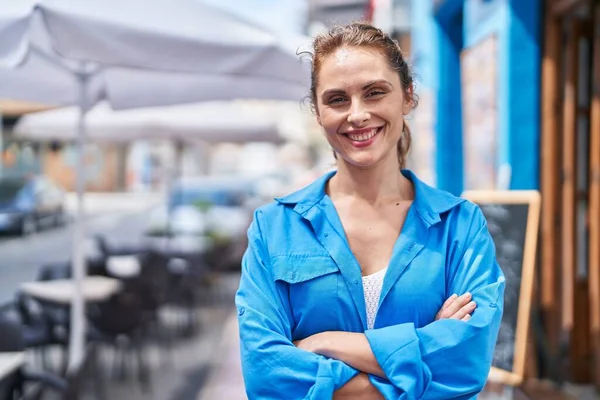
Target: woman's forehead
(350, 55)
(354, 65)
(344, 52)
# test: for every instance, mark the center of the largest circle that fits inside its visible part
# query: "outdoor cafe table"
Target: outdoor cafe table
(61, 291)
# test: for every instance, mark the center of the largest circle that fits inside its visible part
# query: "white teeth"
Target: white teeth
(362, 136)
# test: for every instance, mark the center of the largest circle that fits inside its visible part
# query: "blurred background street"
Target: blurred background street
(137, 139)
(118, 216)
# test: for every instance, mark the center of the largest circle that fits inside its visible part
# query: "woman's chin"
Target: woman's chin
(366, 159)
(362, 160)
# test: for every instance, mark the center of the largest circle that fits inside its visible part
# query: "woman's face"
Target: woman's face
(361, 105)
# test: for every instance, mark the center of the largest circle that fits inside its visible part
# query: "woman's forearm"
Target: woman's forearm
(351, 348)
(359, 387)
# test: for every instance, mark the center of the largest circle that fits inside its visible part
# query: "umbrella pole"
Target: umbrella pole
(78, 328)
(172, 177)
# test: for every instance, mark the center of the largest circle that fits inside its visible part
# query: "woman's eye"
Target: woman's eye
(373, 93)
(335, 100)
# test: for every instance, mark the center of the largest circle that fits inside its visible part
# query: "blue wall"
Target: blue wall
(439, 35)
(524, 83)
(449, 144)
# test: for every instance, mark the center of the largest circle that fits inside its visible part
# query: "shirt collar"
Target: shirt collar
(429, 202)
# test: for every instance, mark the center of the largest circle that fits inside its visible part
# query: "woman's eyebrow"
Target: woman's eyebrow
(333, 91)
(378, 81)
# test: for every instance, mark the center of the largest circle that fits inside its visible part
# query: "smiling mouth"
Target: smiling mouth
(363, 135)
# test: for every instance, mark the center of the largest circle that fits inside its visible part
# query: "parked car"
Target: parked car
(27, 204)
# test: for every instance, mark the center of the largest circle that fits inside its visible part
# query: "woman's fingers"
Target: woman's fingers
(454, 306)
(466, 317)
(464, 311)
(449, 301)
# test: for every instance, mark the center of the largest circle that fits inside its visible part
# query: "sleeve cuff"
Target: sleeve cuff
(393, 339)
(340, 372)
(331, 375)
(386, 388)
(397, 349)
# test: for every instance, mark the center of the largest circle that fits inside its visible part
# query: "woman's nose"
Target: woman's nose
(358, 116)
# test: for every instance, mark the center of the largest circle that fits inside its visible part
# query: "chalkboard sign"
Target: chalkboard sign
(513, 221)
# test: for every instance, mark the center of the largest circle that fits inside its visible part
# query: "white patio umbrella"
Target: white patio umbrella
(187, 36)
(38, 81)
(73, 52)
(212, 122)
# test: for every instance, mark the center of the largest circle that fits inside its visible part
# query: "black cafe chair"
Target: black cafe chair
(25, 383)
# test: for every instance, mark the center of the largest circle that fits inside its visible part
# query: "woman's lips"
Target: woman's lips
(363, 137)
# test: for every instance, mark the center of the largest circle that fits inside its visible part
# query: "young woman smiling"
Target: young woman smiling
(367, 283)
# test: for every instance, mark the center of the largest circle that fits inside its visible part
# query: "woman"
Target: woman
(349, 286)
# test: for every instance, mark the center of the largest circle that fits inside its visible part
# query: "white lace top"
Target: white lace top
(372, 285)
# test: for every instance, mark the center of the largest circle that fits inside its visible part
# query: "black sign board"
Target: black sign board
(513, 221)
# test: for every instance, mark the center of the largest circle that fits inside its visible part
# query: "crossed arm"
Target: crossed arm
(354, 349)
(448, 358)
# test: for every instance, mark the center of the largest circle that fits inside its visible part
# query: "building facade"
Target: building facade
(510, 99)
(570, 184)
(478, 70)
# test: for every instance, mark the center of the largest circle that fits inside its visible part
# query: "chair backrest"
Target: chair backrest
(155, 279)
(122, 313)
(11, 332)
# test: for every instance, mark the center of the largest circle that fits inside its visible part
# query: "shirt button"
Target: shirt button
(493, 305)
(241, 311)
(327, 234)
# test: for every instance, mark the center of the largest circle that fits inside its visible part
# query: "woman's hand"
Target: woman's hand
(457, 307)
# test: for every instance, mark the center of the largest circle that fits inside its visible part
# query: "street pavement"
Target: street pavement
(225, 380)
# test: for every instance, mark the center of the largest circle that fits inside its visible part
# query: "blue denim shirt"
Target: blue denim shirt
(299, 277)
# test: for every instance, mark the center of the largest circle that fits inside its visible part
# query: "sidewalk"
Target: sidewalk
(225, 380)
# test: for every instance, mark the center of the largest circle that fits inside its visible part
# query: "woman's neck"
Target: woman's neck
(375, 185)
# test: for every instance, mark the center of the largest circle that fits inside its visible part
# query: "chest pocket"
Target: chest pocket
(313, 282)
